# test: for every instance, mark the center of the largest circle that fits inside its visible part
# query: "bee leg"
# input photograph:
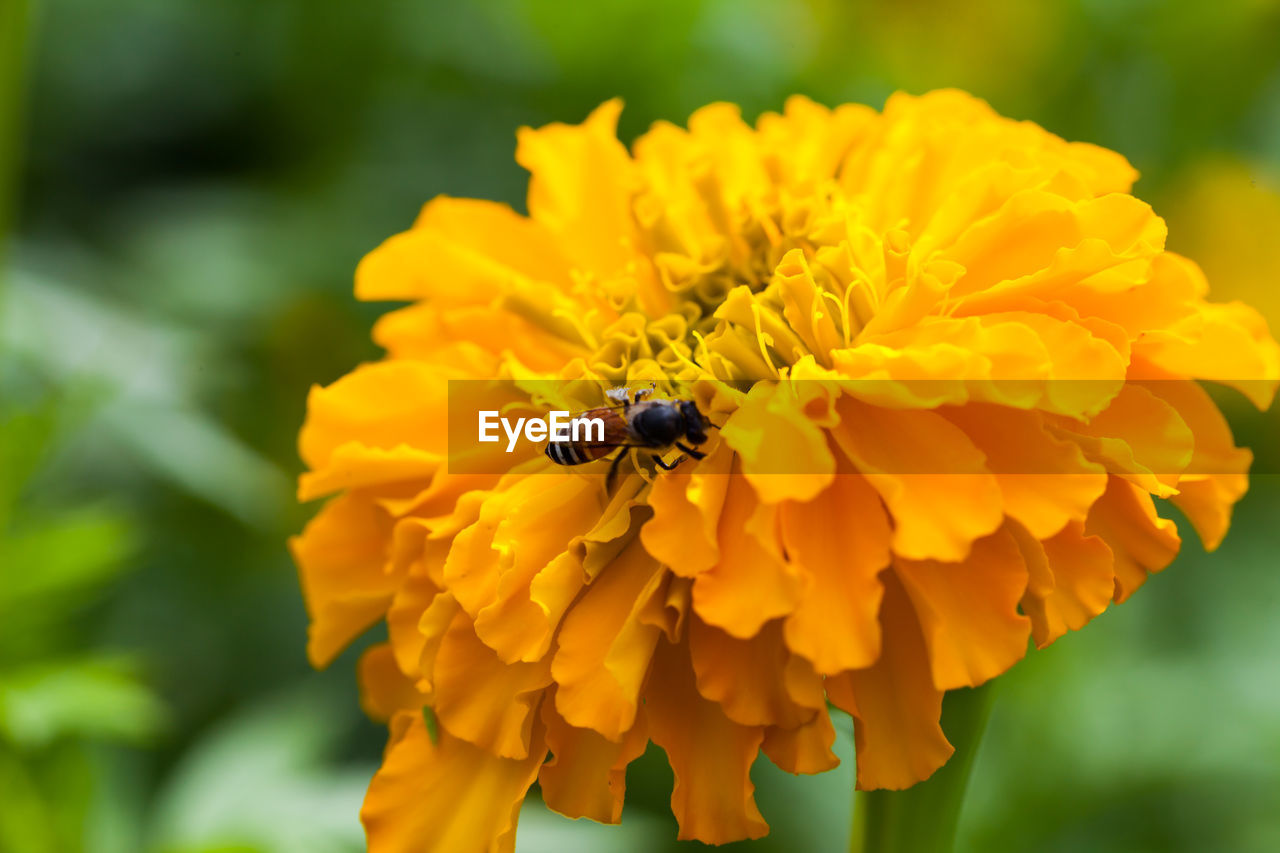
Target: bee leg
(613, 472)
(693, 454)
(657, 460)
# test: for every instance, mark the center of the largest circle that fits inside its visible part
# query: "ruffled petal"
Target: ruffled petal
(932, 478)
(1138, 436)
(804, 749)
(444, 796)
(605, 644)
(460, 250)
(387, 405)
(895, 705)
(835, 622)
(581, 188)
(686, 508)
(342, 559)
(749, 678)
(1225, 343)
(1076, 580)
(482, 700)
(1140, 540)
(711, 755)
(1045, 481)
(384, 689)
(968, 611)
(538, 566)
(752, 583)
(784, 455)
(587, 774)
(1217, 474)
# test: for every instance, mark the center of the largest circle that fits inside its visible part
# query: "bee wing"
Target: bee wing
(615, 427)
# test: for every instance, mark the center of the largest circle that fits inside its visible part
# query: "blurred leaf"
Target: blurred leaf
(24, 438)
(260, 781)
(25, 823)
(15, 26)
(543, 831)
(150, 372)
(56, 557)
(115, 814)
(98, 698)
(51, 568)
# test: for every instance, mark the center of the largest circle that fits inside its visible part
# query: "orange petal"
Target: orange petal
(1045, 480)
(968, 611)
(479, 698)
(384, 689)
(938, 512)
(1080, 580)
(387, 404)
(812, 139)
(484, 567)
(538, 570)
(580, 187)
(354, 466)
(614, 529)
(605, 643)
(783, 453)
(748, 677)
(1138, 436)
(444, 796)
(433, 624)
(587, 776)
(805, 749)
(1207, 503)
(686, 514)
(835, 623)
(475, 340)
(1218, 472)
(404, 614)
(804, 305)
(1105, 234)
(1225, 343)
(894, 703)
(460, 250)
(1125, 518)
(1037, 232)
(752, 583)
(342, 557)
(711, 755)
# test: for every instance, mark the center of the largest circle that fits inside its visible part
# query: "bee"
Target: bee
(654, 425)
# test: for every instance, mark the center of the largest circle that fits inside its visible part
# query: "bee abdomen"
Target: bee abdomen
(565, 453)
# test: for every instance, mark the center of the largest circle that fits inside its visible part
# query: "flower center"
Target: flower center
(705, 273)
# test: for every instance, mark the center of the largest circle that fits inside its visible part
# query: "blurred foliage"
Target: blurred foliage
(200, 180)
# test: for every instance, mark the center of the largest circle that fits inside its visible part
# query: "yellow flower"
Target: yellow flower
(885, 515)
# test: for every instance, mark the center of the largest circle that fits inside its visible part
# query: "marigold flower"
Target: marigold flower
(881, 518)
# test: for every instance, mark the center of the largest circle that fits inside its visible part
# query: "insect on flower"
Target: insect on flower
(635, 422)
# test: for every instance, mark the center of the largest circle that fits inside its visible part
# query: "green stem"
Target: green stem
(923, 818)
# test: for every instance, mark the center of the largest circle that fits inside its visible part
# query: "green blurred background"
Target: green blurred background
(189, 187)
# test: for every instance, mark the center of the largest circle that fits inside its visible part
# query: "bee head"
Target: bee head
(695, 426)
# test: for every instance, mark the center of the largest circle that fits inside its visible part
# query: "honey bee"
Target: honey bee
(654, 425)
